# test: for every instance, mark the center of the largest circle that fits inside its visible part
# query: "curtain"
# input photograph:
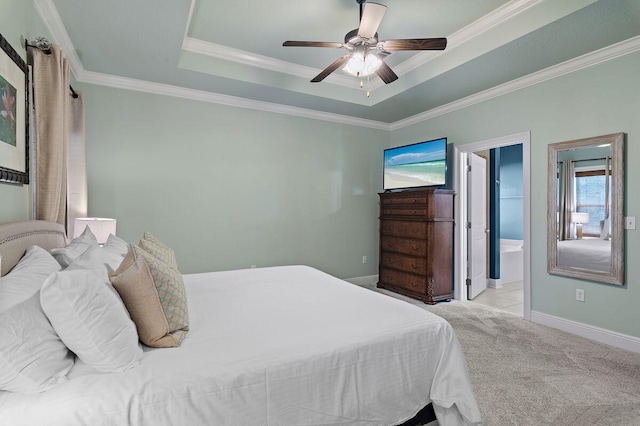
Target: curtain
(604, 224)
(60, 175)
(567, 200)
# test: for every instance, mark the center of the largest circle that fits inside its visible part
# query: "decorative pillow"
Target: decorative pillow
(32, 356)
(90, 318)
(154, 295)
(26, 278)
(75, 248)
(157, 248)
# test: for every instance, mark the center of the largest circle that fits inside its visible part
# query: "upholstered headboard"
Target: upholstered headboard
(17, 237)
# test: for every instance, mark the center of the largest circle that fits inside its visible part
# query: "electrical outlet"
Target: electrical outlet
(580, 295)
(253, 266)
(365, 259)
(630, 222)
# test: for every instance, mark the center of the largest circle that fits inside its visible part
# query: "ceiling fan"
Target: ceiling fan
(365, 51)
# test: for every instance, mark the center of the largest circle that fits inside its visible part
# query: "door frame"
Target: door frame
(459, 170)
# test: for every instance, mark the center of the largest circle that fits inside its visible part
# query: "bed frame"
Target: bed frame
(17, 237)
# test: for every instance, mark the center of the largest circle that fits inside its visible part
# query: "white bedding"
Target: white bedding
(274, 346)
(586, 253)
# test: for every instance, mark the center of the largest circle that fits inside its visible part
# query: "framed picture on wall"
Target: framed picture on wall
(14, 134)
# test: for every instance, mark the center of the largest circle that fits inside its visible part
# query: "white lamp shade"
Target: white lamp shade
(579, 217)
(100, 226)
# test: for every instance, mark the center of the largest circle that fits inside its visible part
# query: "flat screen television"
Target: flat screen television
(417, 165)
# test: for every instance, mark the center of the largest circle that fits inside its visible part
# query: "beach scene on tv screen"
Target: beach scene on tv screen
(422, 164)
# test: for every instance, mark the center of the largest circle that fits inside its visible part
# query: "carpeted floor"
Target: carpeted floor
(528, 374)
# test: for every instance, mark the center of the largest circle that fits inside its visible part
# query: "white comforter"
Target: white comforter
(274, 346)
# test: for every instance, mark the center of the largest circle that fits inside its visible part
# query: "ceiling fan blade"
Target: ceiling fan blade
(386, 73)
(414, 44)
(312, 44)
(331, 68)
(371, 18)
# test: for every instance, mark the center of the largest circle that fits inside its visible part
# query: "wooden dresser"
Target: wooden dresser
(416, 243)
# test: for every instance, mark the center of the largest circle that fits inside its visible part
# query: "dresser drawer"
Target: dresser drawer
(404, 229)
(405, 211)
(414, 283)
(416, 265)
(403, 245)
(404, 200)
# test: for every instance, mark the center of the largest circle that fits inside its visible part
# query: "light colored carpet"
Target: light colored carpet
(528, 374)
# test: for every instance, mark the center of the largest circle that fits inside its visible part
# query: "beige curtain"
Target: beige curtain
(60, 175)
(566, 200)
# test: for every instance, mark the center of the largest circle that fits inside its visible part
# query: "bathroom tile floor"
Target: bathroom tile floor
(507, 298)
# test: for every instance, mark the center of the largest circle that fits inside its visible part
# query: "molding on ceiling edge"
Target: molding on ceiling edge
(126, 83)
(50, 17)
(588, 60)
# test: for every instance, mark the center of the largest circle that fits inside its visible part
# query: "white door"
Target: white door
(477, 233)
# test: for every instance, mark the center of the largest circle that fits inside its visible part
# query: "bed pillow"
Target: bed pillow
(157, 248)
(102, 260)
(154, 295)
(32, 356)
(75, 248)
(26, 278)
(116, 245)
(90, 318)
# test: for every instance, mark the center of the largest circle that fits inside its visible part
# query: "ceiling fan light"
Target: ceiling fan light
(355, 64)
(371, 64)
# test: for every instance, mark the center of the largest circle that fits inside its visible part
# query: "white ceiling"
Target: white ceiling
(231, 51)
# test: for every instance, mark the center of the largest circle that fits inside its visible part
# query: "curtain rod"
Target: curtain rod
(47, 51)
(586, 159)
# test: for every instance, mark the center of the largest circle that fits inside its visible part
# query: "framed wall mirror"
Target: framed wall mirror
(585, 209)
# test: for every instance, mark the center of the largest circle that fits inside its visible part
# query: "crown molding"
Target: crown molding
(485, 23)
(126, 83)
(243, 57)
(588, 60)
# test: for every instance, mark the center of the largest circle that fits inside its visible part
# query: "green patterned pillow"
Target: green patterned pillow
(154, 295)
(153, 245)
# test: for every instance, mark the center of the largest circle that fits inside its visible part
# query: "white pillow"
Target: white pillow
(102, 260)
(75, 248)
(91, 319)
(26, 278)
(32, 356)
(116, 245)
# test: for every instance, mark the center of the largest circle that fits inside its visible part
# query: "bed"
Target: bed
(585, 253)
(284, 345)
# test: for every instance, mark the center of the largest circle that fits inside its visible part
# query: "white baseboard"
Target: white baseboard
(598, 334)
(368, 280)
(494, 283)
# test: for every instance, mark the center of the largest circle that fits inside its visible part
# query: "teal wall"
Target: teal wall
(231, 187)
(599, 100)
(511, 192)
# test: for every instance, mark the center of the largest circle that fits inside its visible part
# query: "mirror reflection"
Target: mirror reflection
(585, 208)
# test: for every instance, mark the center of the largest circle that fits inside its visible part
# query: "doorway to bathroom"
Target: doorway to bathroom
(492, 207)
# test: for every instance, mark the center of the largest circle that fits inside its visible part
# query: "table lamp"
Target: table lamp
(100, 226)
(579, 218)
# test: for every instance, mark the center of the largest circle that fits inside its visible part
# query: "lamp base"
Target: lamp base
(578, 231)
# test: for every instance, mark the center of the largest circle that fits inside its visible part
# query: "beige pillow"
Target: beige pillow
(157, 248)
(154, 295)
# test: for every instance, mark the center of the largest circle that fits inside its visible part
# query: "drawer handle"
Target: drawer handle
(390, 245)
(416, 230)
(415, 201)
(414, 266)
(415, 248)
